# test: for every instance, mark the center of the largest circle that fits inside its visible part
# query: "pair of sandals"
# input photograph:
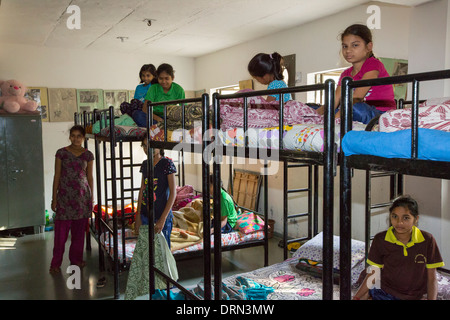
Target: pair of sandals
(56, 270)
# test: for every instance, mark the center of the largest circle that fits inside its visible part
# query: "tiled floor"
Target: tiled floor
(24, 264)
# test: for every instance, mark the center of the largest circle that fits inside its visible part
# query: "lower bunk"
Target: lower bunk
(187, 243)
(300, 277)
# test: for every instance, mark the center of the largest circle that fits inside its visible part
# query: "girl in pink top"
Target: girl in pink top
(368, 102)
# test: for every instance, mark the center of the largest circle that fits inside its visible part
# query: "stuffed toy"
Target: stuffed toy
(12, 99)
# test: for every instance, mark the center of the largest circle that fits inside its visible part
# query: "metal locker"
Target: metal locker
(23, 156)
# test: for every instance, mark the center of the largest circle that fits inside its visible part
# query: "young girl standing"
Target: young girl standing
(72, 198)
(164, 196)
(408, 258)
(165, 90)
(164, 187)
(368, 102)
(267, 69)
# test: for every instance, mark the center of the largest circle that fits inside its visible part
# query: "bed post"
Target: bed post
(345, 187)
(206, 201)
(114, 201)
(216, 205)
(328, 191)
(150, 208)
(415, 120)
(98, 215)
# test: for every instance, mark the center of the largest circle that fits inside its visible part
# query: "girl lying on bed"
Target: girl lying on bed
(368, 102)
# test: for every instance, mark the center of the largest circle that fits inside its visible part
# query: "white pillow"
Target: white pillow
(435, 101)
(313, 248)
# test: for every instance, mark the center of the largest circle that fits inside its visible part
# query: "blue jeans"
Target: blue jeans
(363, 112)
(226, 228)
(140, 117)
(166, 231)
(379, 294)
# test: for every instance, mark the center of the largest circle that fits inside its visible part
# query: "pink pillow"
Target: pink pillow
(249, 222)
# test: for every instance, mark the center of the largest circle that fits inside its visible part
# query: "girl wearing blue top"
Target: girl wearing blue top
(267, 69)
(164, 188)
(147, 74)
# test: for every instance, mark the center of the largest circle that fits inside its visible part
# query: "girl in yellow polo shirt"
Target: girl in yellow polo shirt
(403, 259)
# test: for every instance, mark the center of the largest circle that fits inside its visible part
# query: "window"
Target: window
(321, 77)
(226, 90)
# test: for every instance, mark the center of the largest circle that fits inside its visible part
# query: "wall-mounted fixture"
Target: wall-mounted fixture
(149, 21)
(122, 39)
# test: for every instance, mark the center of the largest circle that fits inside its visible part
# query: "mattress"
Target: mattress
(432, 115)
(288, 282)
(228, 239)
(432, 144)
(299, 137)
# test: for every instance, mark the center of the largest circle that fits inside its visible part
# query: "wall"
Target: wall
(61, 68)
(430, 38)
(317, 48)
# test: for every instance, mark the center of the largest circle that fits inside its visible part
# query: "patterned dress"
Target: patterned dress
(74, 194)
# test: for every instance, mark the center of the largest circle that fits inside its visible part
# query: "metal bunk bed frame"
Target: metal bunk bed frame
(327, 158)
(410, 166)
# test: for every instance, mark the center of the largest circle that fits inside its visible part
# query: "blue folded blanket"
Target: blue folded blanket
(433, 144)
(252, 289)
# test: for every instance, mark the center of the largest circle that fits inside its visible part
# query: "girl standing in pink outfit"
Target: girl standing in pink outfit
(368, 102)
(72, 198)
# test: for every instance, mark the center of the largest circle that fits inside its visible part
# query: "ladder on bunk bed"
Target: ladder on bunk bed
(312, 191)
(179, 162)
(125, 162)
(396, 184)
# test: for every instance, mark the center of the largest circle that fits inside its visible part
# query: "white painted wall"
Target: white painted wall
(430, 50)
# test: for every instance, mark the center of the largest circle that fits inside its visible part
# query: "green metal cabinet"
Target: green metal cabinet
(22, 201)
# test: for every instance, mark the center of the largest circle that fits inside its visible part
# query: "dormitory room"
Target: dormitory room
(299, 150)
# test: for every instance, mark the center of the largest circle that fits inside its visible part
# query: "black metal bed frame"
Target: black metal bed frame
(410, 166)
(327, 159)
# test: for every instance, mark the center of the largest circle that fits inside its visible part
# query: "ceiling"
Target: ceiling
(187, 28)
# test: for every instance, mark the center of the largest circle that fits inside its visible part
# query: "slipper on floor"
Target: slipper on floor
(101, 282)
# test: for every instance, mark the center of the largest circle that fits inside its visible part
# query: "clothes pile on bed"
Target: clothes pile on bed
(393, 137)
(187, 231)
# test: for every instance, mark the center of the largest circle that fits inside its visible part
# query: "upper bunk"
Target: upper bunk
(240, 125)
(412, 141)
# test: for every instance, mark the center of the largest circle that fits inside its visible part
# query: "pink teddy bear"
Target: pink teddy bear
(12, 99)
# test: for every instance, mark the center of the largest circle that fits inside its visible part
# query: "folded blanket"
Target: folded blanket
(253, 290)
(187, 226)
(433, 144)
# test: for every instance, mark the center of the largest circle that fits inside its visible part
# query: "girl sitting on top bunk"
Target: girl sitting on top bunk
(408, 258)
(267, 69)
(147, 75)
(165, 90)
(368, 102)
